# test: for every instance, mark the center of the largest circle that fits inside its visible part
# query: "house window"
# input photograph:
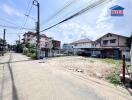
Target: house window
(113, 41)
(105, 42)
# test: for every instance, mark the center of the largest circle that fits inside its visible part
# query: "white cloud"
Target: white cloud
(72, 31)
(11, 11)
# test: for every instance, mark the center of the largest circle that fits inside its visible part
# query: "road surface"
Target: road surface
(25, 79)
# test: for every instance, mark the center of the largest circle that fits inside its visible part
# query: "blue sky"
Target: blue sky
(92, 24)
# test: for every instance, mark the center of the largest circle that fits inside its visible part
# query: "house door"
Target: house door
(116, 54)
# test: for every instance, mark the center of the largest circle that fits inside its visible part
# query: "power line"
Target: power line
(28, 6)
(60, 10)
(78, 13)
(23, 27)
(7, 21)
(15, 27)
(27, 16)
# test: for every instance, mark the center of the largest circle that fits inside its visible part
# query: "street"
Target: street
(25, 79)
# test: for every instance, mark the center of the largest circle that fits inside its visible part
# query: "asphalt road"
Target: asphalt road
(25, 79)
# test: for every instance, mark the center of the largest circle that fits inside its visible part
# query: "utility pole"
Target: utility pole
(3, 48)
(131, 50)
(36, 3)
(123, 69)
(19, 39)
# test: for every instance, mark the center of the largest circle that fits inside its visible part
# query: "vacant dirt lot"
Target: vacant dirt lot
(98, 68)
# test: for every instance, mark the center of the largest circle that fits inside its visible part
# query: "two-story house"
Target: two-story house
(46, 43)
(112, 45)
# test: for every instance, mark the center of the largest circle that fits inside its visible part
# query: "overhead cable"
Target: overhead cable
(78, 13)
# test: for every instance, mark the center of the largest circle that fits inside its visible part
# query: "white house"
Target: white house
(82, 44)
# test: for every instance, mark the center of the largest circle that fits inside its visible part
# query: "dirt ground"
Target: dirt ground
(99, 68)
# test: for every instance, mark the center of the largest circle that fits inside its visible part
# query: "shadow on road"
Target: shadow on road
(128, 90)
(14, 90)
(16, 61)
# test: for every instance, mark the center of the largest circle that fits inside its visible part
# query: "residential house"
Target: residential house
(67, 46)
(83, 43)
(28, 36)
(83, 46)
(112, 45)
(46, 43)
(68, 49)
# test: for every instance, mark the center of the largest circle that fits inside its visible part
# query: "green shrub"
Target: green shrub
(32, 51)
(114, 78)
(33, 55)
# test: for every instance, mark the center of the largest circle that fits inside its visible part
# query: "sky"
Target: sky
(92, 24)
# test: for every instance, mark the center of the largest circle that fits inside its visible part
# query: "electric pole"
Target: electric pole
(36, 3)
(3, 48)
(19, 39)
(131, 50)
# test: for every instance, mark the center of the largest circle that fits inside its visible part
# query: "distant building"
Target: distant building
(56, 44)
(67, 46)
(82, 44)
(83, 47)
(47, 44)
(68, 49)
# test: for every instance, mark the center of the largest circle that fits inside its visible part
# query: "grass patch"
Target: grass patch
(111, 61)
(114, 78)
